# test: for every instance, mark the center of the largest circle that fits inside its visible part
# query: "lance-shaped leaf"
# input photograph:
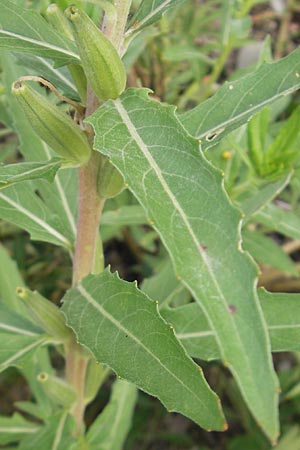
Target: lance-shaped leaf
(237, 101)
(59, 77)
(184, 198)
(123, 329)
(20, 205)
(149, 12)
(56, 434)
(110, 429)
(15, 173)
(15, 428)
(19, 337)
(281, 311)
(26, 31)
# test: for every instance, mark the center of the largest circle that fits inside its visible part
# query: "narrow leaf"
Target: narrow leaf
(126, 215)
(15, 173)
(184, 198)
(56, 434)
(124, 330)
(281, 311)
(279, 219)
(149, 12)
(26, 31)
(110, 429)
(235, 102)
(15, 427)
(20, 205)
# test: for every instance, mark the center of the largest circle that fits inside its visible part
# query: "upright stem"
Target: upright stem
(87, 259)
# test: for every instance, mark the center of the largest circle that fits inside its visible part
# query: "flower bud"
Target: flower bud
(58, 20)
(47, 315)
(52, 125)
(109, 181)
(100, 60)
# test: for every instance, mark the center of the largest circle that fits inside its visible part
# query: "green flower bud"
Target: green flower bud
(109, 181)
(47, 315)
(52, 125)
(57, 389)
(95, 376)
(100, 60)
(58, 20)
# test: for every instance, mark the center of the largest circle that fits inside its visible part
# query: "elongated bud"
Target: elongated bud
(58, 20)
(100, 60)
(57, 389)
(47, 315)
(52, 125)
(109, 181)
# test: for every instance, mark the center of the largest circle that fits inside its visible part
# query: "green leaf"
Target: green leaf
(15, 173)
(266, 251)
(109, 430)
(184, 198)
(149, 12)
(252, 202)
(10, 278)
(20, 205)
(24, 30)
(124, 330)
(59, 77)
(56, 434)
(164, 287)
(125, 215)
(279, 219)
(235, 102)
(281, 311)
(14, 428)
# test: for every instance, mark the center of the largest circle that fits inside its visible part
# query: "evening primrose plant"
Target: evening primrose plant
(85, 139)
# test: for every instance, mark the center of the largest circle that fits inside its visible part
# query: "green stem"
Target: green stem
(116, 33)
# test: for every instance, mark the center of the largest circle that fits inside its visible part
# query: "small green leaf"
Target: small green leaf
(20, 205)
(149, 12)
(56, 434)
(124, 330)
(235, 102)
(24, 30)
(279, 219)
(14, 428)
(110, 429)
(281, 311)
(125, 215)
(266, 251)
(15, 173)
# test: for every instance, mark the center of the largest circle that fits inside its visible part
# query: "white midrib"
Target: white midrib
(153, 165)
(4, 326)
(61, 192)
(59, 431)
(57, 73)
(22, 352)
(200, 334)
(48, 46)
(121, 327)
(149, 16)
(36, 219)
(17, 430)
(14, 178)
(248, 112)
